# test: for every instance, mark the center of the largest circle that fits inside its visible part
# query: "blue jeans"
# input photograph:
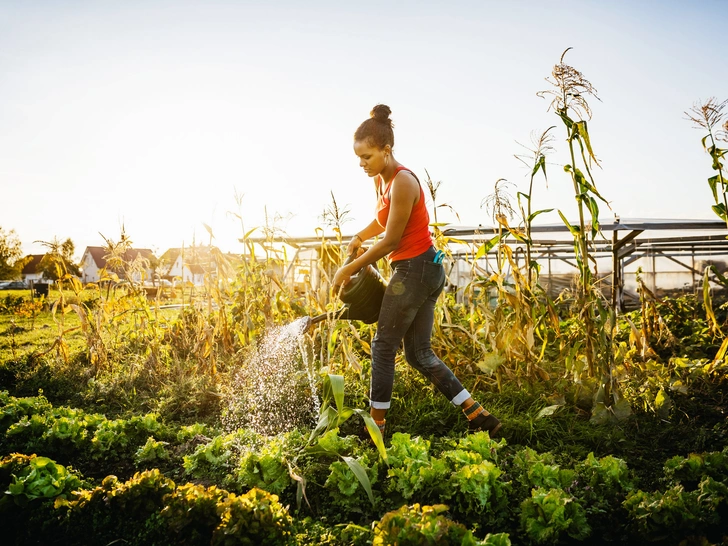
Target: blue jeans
(408, 313)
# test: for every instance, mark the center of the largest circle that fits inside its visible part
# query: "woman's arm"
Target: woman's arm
(404, 193)
(372, 230)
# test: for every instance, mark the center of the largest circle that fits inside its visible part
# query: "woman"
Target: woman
(408, 306)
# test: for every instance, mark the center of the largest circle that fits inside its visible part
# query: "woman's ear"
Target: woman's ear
(387, 149)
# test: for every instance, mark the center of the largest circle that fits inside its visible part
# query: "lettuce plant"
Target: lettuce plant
(552, 513)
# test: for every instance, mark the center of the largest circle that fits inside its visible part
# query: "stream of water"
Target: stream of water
(274, 389)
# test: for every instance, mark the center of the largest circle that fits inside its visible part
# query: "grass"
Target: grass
(31, 362)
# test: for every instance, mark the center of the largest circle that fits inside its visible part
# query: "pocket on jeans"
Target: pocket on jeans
(432, 275)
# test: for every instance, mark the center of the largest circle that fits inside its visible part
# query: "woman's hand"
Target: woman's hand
(354, 245)
(341, 278)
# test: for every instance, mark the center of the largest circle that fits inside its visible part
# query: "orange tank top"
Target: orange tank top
(416, 237)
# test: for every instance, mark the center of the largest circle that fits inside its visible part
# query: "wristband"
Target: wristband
(358, 237)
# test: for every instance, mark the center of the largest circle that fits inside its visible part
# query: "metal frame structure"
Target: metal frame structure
(631, 240)
(638, 241)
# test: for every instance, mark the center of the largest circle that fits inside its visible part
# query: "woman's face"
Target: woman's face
(371, 158)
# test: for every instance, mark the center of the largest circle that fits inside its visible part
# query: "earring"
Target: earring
(386, 160)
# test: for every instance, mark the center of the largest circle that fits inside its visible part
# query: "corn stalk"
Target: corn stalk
(569, 101)
(708, 116)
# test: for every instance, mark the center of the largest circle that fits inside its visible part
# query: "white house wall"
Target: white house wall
(90, 271)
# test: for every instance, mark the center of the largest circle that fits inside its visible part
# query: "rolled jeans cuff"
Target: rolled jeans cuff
(461, 397)
(379, 405)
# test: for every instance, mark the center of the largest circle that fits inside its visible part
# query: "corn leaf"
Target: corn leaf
(719, 209)
(374, 432)
(708, 302)
(337, 389)
(487, 247)
(534, 214)
(361, 475)
(713, 183)
(574, 230)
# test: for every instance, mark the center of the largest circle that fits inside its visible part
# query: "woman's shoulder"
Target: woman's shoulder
(404, 174)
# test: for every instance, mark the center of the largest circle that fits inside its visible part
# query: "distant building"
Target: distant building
(182, 264)
(193, 264)
(139, 263)
(30, 272)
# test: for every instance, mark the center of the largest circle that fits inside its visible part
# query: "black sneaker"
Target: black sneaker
(488, 423)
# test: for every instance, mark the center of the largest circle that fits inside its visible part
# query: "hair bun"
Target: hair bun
(381, 113)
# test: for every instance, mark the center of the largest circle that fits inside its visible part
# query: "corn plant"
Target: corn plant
(708, 116)
(535, 160)
(441, 240)
(332, 416)
(569, 93)
(57, 260)
(521, 310)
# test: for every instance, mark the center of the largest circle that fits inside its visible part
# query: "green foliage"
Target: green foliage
(266, 467)
(689, 470)
(251, 519)
(550, 514)
(350, 484)
(601, 486)
(531, 469)
(464, 476)
(11, 252)
(152, 453)
(476, 491)
(412, 469)
(608, 475)
(334, 444)
(140, 495)
(482, 444)
(148, 507)
(127, 510)
(33, 477)
(257, 301)
(709, 116)
(191, 513)
(14, 409)
(12, 304)
(416, 525)
(33, 425)
(316, 531)
(676, 512)
(333, 416)
(217, 460)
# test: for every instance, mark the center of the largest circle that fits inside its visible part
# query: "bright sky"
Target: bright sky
(155, 114)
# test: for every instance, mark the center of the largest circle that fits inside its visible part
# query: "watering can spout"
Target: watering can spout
(342, 313)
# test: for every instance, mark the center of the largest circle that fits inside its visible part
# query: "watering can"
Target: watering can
(362, 297)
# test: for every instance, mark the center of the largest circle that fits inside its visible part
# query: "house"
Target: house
(30, 271)
(193, 264)
(186, 264)
(137, 263)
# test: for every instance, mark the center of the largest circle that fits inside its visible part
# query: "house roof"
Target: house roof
(197, 259)
(170, 256)
(193, 254)
(99, 253)
(31, 267)
(196, 269)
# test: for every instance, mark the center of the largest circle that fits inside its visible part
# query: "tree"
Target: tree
(11, 252)
(59, 259)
